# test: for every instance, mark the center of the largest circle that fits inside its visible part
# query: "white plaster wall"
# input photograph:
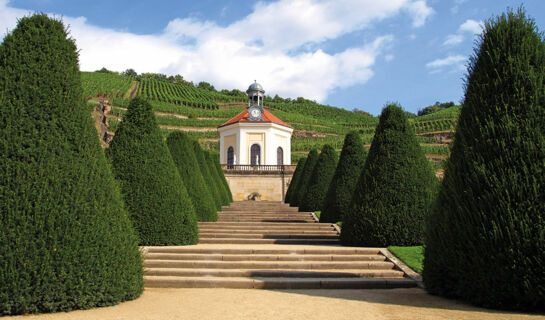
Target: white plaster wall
(268, 151)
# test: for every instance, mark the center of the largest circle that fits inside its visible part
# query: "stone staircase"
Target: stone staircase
(270, 245)
(261, 222)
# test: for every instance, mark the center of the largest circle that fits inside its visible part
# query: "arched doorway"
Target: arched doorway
(279, 156)
(231, 156)
(255, 155)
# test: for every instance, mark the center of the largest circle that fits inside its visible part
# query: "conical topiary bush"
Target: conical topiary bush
(301, 188)
(207, 175)
(154, 192)
(181, 149)
(395, 191)
(485, 239)
(319, 180)
(223, 180)
(295, 179)
(216, 178)
(341, 188)
(66, 241)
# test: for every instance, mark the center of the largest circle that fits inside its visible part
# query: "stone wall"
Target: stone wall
(271, 187)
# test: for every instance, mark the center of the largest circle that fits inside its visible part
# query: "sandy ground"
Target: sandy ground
(158, 303)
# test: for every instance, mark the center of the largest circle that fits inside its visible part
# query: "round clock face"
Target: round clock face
(255, 113)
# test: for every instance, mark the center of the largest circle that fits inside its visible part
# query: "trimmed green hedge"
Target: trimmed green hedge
(302, 184)
(295, 179)
(320, 180)
(485, 240)
(341, 188)
(216, 157)
(154, 192)
(184, 157)
(224, 196)
(395, 191)
(66, 241)
(211, 183)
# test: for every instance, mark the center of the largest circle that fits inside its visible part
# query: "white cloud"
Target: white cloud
(453, 39)
(475, 27)
(453, 63)
(265, 45)
(469, 26)
(456, 8)
(420, 11)
(389, 57)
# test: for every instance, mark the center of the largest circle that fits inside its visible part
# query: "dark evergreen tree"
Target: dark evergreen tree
(485, 239)
(319, 180)
(207, 175)
(341, 189)
(181, 149)
(66, 241)
(216, 178)
(154, 192)
(296, 177)
(300, 190)
(395, 190)
(222, 176)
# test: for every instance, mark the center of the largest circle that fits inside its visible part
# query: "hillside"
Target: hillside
(181, 106)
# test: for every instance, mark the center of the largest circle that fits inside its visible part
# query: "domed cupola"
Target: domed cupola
(255, 94)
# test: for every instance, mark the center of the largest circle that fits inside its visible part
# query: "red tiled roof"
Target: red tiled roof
(244, 115)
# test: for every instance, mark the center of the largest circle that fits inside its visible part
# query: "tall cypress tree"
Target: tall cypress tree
(66, 241)
(295, 179)
(216, 178)
(485, 239)
(154, 192)
(395, 190)
(341, 189)
(301, 188)
(319, 180)
(184, 157)
(207, 175)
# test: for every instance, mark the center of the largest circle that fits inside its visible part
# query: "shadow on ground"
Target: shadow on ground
(409, 297)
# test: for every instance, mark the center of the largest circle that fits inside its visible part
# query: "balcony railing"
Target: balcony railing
(264, 169)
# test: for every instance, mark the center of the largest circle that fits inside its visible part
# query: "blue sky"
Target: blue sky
(348, 53)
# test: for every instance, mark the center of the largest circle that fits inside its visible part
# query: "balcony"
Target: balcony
(257, 169)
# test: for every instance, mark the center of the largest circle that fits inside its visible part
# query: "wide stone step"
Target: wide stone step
(149, 263)
(272, 219)
(262, 257)
(264, 217)
(284, 273)
(273, 226)
(256, 250)
(330, 231)
(258, 209)
(266, 224)
(264, 214)
(276, 283)
(269, 241)
(268, 236)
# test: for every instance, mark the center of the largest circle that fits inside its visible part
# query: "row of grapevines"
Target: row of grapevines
(182, 94)
(434, 125)
(186, 110)
(308, 143)
(105, 85)
(197, 123)
(328, 113)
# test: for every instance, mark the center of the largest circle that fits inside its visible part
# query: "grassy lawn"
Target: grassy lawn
(411, 256)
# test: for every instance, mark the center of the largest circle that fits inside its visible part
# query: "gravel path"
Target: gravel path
(291, 304)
